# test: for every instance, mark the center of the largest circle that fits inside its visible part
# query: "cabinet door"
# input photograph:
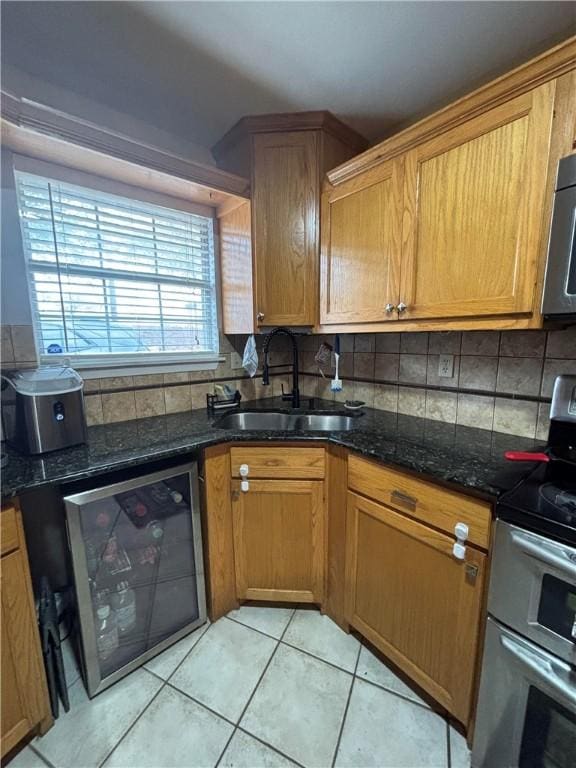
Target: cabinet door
(361, 245)
(279, 540)
(24, 693)
(414, 601)
(474, 229)
(285, 227)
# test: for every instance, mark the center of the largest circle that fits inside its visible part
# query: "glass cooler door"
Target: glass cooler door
(138, 569)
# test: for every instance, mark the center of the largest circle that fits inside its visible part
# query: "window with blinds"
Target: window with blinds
(112, 278)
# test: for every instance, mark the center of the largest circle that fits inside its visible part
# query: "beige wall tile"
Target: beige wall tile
(346, 365)
(480, 343)
(562, 343)
(414, 343)
(519, 375)
(308, 386)
(118, 406)
(387, 367)
(364, 342)
(364, 392)
(149, 380)
(441, 381)
(324, 390)
(116, 382)
(178, 377)
(444, 343)
(346, 342)
(364, 365)
(23, 344)
(412, 369)
(543, 423)
(202, 375)
(478, 372)
(441, 406)
(93, 410)
(91, 385)
(522, 343)
(7, 353)
(199, 392)
(386, 397)
(178, 399)
(552, 368)
(475, 411)
(515, 417)
(150, 402)
(387, 343)
(412, 401)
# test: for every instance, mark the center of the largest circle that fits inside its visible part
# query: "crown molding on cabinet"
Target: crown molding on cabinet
(549, 65)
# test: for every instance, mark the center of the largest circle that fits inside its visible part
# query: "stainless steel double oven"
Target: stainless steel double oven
(527, 706)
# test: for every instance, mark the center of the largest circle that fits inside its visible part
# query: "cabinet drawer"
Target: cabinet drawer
(272, 463)
(8, 530)
(438, 507)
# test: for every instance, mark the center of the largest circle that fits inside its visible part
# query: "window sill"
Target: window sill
(131, 365)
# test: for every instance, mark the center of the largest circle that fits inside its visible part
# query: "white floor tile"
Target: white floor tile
(385, 731)
(71, 668)
(271, 621)
(86, 734)
(173, 732)
(319, 635)
(299, 706)
(371, 668)
(165, 663)
(224, 667)
(246, 752)
(27, 758)
(459, 752)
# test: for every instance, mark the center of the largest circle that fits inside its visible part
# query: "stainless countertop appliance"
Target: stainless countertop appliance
(526, 714)
(43, 409)
(559, 298)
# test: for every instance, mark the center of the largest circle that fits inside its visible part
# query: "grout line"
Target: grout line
(317, 658)
(131, 726)
(255, 688)
(399, 695)
(341, 731)
(201, 704)
(40, 755)
(260, 631)
(448, 750)
(265, 743)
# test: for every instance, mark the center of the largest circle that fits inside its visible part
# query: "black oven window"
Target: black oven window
(549, 736)
(557, 609)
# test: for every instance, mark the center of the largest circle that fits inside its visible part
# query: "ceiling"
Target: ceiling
(199, 66)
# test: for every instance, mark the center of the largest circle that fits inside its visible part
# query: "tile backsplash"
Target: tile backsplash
(500, 380)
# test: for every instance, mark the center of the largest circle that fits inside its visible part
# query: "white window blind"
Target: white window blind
(116, 279)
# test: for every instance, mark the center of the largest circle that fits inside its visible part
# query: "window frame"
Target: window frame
(122, 363)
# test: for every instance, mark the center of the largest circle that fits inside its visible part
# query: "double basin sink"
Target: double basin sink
(279, 421)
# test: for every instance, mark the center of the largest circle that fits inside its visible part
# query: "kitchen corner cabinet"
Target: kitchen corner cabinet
(286, 157)
(25, 705)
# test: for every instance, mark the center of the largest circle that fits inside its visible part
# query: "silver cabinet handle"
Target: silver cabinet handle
(554, 555)
(402, 307)
(406, 501)
(260, 316)
(389, 308)
(542, 669)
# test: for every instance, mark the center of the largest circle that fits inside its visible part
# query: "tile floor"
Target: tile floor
(261, 688)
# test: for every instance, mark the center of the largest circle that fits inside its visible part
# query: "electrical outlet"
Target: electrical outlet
(235, 360)
(446, 366)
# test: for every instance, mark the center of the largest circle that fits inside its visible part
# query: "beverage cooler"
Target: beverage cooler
(138, 570)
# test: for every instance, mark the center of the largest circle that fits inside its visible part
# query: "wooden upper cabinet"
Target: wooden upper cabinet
(473, 223)
(286, 156)
(285, 227)
(361, 247)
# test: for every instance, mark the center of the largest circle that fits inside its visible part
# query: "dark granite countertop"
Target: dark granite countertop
(466, 457)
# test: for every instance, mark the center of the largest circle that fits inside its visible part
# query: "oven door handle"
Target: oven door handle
(543, 670)
(551, 554)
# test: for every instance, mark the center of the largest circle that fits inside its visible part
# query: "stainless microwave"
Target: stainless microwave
(560, 285)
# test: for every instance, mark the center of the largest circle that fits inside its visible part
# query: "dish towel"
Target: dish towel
(250, 359)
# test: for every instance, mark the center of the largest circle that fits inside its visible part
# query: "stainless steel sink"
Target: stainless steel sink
(254, 421)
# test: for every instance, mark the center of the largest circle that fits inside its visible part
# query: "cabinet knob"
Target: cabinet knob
(260, 316)
(402, 307)
(389, 308)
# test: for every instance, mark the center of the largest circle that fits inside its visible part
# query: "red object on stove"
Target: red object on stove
(526, 456)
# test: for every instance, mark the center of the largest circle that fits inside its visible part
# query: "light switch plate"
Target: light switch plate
(235, 360)
(445, 366)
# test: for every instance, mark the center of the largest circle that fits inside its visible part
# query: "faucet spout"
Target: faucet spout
(295, 395)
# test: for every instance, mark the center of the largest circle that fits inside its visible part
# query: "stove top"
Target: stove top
(545, 501)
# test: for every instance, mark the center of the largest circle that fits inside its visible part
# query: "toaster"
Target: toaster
(43, 409)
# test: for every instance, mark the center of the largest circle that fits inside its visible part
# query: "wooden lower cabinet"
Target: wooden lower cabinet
(409, 596)
(279, 530)
(25, 705)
